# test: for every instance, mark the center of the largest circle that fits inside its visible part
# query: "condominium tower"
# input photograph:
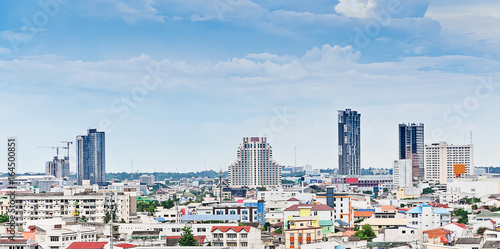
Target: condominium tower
(442, 159)
(349, 142)
(255, 166)
(90, 151)
(411, 146)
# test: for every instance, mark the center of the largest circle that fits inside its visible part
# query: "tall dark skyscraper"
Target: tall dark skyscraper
(349, 142)
(90, 151)
(411, 146)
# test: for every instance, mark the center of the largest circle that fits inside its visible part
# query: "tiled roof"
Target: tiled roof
(469, 241)
(14, 241)
(363, 214)
(436, 233)
(349, 233)
(199, 239)
(459, 225)
(293, 199)
(87, 245)
(320, 207)
(126, 245)
(388, 207)
(234, 228)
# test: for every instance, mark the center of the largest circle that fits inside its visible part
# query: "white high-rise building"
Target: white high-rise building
(255, 166)
(402, 173)
(441, 158)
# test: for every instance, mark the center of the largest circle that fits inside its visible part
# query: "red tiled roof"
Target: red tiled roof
(87, 245)
(363, 213)
(234, 228)
(459, 225)
(436, 233)
(349, 233)
(199, 239)
(14, 241)
(126, 245)
(293, 199)
(320, 207)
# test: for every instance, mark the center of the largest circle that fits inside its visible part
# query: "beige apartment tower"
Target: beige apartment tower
(441, 158)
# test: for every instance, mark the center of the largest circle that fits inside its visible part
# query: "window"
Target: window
(232, 235)
(54, 238)
(176, 230)
(244, 235)
(202, 229)
(244, 244)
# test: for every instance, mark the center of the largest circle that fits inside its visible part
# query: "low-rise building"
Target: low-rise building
(237, 237)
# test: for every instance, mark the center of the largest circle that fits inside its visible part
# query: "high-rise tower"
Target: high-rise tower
(349, 142)
(255, 166)
(90, 151)
(411, 146)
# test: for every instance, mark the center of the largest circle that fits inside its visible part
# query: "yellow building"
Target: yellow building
(295, 238)
(407, 193)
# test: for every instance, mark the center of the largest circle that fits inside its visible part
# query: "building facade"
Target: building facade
(255, 166)
(442, 159)
(402, 173)
(411, 146)
(91, 157)
(58, 168)
(349, 142)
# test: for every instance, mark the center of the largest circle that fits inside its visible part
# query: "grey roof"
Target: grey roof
(145, 232)
(206, 217)
(491, 245)
(469, 241)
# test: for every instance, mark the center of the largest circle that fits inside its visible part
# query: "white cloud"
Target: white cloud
(4, 50)
(356, 8)
(131, 11)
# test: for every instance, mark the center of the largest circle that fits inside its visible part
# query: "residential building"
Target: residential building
(72, 203)
(425, 217)
(91, 157)
(349, 142)
(147, 179)
(18, 244)
(295, 238)
(444, 162)
(402, 173)
(60, 236)
(379, 224)
(411, 147)
(248, 212)
(236, 237)
(341, 203)
(254, 166)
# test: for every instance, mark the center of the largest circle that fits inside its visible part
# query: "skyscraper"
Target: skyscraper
(254, 166)
(90, 151)
(411, 146)
(349, 142)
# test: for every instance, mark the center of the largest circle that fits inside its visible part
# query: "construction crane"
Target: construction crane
(54, 147)
(67, 147)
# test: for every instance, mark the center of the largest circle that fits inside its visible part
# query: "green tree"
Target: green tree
(151, 210)
(426, 191)
(4, 218)
(107, 217)
(168, 204)
(187, 237)
(266, 226)
(463, 216)
(481, 230)
(366, 233)
(279, 230)
(83, 219)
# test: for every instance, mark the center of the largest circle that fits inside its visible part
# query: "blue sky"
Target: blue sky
(176, 84)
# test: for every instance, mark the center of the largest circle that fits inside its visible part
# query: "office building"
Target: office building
(90, 151)
(147, 179)
(349, 142)
(443, 161)
(254, 166)
(411, 146)
(402, 173)
(58, 168)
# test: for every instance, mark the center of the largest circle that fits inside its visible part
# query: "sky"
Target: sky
(177, 84)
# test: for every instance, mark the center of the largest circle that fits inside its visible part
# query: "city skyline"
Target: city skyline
(166, 80)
